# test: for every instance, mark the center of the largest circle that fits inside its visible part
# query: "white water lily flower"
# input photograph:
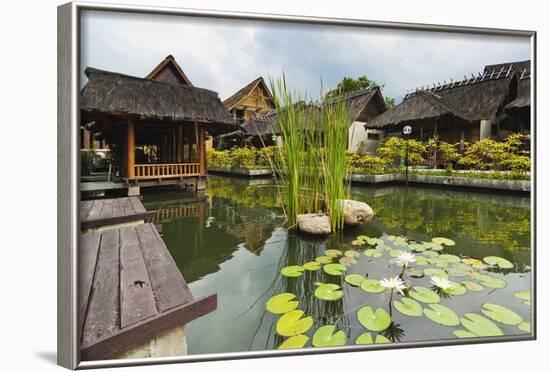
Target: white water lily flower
(393, 283)
(442, 283)
(405, 258)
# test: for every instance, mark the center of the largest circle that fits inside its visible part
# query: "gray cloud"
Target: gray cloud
(224, 55)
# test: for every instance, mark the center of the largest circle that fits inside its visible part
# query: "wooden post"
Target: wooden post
(130, 148)
(180, 144)
(202, 151)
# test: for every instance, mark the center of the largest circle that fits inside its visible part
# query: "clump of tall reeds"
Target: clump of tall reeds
(311, 162)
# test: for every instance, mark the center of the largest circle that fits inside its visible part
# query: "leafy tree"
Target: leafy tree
(389, 102)
(349, 84)
(393, 148)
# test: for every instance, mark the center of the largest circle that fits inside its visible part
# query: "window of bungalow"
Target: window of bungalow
(239, 116)
(373, 136)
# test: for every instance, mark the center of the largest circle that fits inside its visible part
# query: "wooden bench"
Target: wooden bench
(111, 212)
(130, 291)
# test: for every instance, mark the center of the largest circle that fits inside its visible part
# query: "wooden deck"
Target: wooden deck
(103, 212)
(130, 291)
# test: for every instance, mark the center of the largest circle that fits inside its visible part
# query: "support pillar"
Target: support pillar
(485, 128)
(129, 150)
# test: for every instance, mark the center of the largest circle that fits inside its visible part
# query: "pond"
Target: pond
(231, 240)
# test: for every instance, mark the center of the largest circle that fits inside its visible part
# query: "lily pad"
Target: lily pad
(422, 261)
(460, 333)
(328, 292)
(430, 254)
(473, 286)
(281, 303)
(377, 320)
(436, 272)
(374, 241)
(498, 261)
(433, 246)
(424, 295)
(373, 252)
(362, 237)
(324, 259)
(453, 271)
(480, 325)
(525, 327)
(417, 247)
(292, 271)
(443, 241)
(457, 289)
(312, 266)
(354, 279)
(325, 336)
(351, 253)
(450, 258)
(490, 281)
(372, 286)
(501, 314)
(475, 263)
(523, 295)
(439, 262)
(357, 242)
(415, 272)
(294, 342)
(408, 306)
(335, 269)
(333, 252)
(347, 261)
(395, 252)
(381, 339)
(366, 339)
(442, 315)
(292, 323)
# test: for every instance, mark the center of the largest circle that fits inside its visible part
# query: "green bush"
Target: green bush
(367, 164)
(240, 158)
(394, 149)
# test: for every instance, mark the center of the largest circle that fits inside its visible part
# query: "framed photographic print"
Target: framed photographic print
(236, 185)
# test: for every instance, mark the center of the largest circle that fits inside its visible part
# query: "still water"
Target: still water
(231, 240)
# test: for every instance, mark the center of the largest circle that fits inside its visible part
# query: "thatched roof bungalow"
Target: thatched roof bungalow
(459, 111)
(251, 100)
(160, 126)
(363, 104)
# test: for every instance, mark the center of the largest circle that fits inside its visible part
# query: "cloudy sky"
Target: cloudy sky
(225, 55)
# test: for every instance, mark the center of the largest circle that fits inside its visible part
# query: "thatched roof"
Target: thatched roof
(472, 99)
(518, 66)
(169, 63)
(523, 98)
(242, 93)
(110, 93)
(358, 103)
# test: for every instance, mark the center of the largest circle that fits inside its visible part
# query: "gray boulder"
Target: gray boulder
(312, 223)
(356, 213)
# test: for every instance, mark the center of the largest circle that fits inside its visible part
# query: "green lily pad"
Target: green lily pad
(408, 306)
(415, 272)
(292, 323)
(436, 272)
(501, 314)
(312, 266)
(381, 339)
(523, 295)
(374, 241)
(422, 261)
(292, 271)
(294, 342)
(373, 252)
(335, 269)
(525, 327)
(347, 261)
(325, 336)
(442, 315)
(450, 258)
(430, 254)
(357, 242)
(424, 295)
(372, 286)
(480, 325)
(490, 281)
(281, 303)
(498, 261)
(366, 339)
(457, 289)
(374, 320)
(362, 237)
(354, 279)
(433, 246)
(453, 271)
(333, 252)
(439, 262)
(328, 292)
(473, 286)
(324, 259)
(460, 333)
(351, 253)
(443, 241)
(417, 247)
(395, 252)
(474, 263)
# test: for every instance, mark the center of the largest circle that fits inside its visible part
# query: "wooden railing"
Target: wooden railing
(153, 171)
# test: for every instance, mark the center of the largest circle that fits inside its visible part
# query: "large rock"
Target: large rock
(356, 213)
(312, 223)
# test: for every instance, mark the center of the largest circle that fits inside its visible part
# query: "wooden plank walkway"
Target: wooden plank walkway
(130, 291)
(104, 212)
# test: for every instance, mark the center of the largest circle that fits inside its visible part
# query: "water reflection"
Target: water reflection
(231, 241)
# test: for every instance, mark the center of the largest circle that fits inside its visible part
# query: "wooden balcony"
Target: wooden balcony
(174, 170)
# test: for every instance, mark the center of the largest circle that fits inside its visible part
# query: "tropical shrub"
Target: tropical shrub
(394, 148)
(367, 164)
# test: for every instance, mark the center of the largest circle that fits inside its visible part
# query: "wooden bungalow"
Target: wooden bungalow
(254, 99)
(363, 104)
(156, 130)
(460, 111)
